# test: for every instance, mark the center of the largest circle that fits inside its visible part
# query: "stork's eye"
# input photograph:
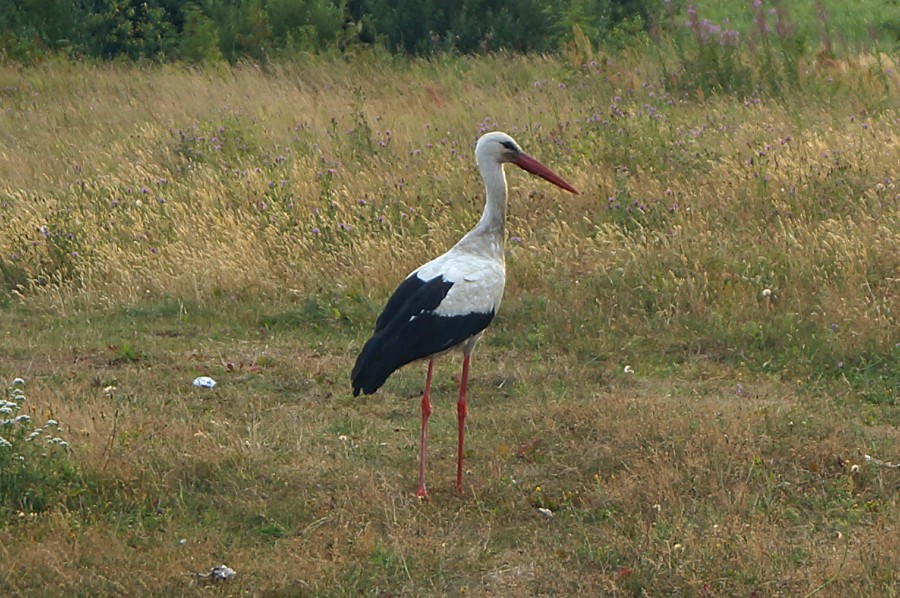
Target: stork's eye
(508, 145)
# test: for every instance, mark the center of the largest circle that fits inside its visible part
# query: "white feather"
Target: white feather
(477, 280)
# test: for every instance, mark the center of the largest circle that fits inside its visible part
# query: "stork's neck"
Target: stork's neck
(493, 220)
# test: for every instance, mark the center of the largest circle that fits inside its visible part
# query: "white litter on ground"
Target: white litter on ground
(204, 382)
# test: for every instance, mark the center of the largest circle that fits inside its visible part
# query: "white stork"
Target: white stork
(448, 302)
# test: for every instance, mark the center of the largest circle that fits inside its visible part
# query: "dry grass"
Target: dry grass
(724, 465)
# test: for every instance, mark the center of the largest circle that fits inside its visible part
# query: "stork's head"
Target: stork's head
(499, 148)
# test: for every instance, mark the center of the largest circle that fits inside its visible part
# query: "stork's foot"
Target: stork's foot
(422, 494)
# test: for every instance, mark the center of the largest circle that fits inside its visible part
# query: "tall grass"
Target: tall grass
(133, 184)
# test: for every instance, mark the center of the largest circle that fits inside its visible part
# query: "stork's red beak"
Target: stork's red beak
(526, 162)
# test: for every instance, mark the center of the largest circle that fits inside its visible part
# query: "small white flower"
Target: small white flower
(854, 469)
(4, 442)
(6, 410)
(23, 418)
(18, 382)
(182, 541)
(545, 512)
(767, 292)
(32, 436)
(63, 443)
(628, 369)
(52, 423)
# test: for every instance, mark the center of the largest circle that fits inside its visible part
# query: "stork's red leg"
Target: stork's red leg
(461, 415)
(426, 411)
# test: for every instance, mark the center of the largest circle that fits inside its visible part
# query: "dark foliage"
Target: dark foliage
(208, 30)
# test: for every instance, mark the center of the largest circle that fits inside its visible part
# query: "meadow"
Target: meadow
(694, 372)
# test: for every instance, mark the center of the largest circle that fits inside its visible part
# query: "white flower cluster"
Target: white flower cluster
(11, 409)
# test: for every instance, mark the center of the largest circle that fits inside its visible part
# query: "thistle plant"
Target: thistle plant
(713, 62)
(35, 468)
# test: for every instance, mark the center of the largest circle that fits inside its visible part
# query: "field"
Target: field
(694, 373)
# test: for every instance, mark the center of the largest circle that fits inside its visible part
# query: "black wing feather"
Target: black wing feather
(407, 289)
(408, 329)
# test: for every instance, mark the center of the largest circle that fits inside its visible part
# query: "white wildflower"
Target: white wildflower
(629, 369)
(23, 418)
(6, 410)
(52, 423)
(18, 382)
(545, 512)
(767, 292)
(4, 442)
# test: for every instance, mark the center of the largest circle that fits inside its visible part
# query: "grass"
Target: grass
(738, 253)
